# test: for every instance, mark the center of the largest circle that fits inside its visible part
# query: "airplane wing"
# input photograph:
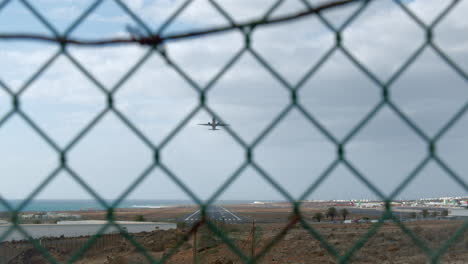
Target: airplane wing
(222, 124)
(204, 125)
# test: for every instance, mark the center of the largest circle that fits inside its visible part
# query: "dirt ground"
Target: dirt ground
(168, 214)
(262, 213)
(388, 245)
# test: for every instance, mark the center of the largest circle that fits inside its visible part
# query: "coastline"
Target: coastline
(80, 205)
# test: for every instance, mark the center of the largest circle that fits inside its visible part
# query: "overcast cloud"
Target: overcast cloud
(62, 101)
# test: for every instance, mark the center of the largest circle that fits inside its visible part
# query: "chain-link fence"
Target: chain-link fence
(155, 40)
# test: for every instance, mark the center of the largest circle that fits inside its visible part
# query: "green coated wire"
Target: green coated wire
(385, 86)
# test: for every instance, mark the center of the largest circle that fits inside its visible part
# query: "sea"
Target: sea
(46, 205)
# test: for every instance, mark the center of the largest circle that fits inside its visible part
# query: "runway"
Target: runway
(216, 213)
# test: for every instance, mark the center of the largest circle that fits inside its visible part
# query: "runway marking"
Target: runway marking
(235, 216)
(191, 215)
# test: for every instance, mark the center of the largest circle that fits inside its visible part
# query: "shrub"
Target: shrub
(181, 225)
(331, 213)
(318, 216)
(139, 218)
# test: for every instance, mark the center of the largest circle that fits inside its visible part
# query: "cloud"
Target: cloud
(134, 4)
(248, 96)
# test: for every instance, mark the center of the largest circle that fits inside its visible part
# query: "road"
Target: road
(378, 212)
(217, 213)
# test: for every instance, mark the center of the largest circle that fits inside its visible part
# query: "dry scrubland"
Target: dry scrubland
(389, 245)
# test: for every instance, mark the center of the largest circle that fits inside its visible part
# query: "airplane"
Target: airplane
(213, 124)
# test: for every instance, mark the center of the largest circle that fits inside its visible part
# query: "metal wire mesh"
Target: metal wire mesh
(203, 92)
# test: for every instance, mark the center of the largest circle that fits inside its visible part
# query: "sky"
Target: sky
(63, 100)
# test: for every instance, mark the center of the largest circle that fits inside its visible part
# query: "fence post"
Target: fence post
(195, 260)
(252, 252)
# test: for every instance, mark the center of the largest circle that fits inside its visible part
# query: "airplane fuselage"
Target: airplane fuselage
(213, 124)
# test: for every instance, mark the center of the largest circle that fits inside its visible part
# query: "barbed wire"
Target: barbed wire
(156, 39)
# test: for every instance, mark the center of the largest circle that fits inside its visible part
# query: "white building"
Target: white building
(27, 216)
